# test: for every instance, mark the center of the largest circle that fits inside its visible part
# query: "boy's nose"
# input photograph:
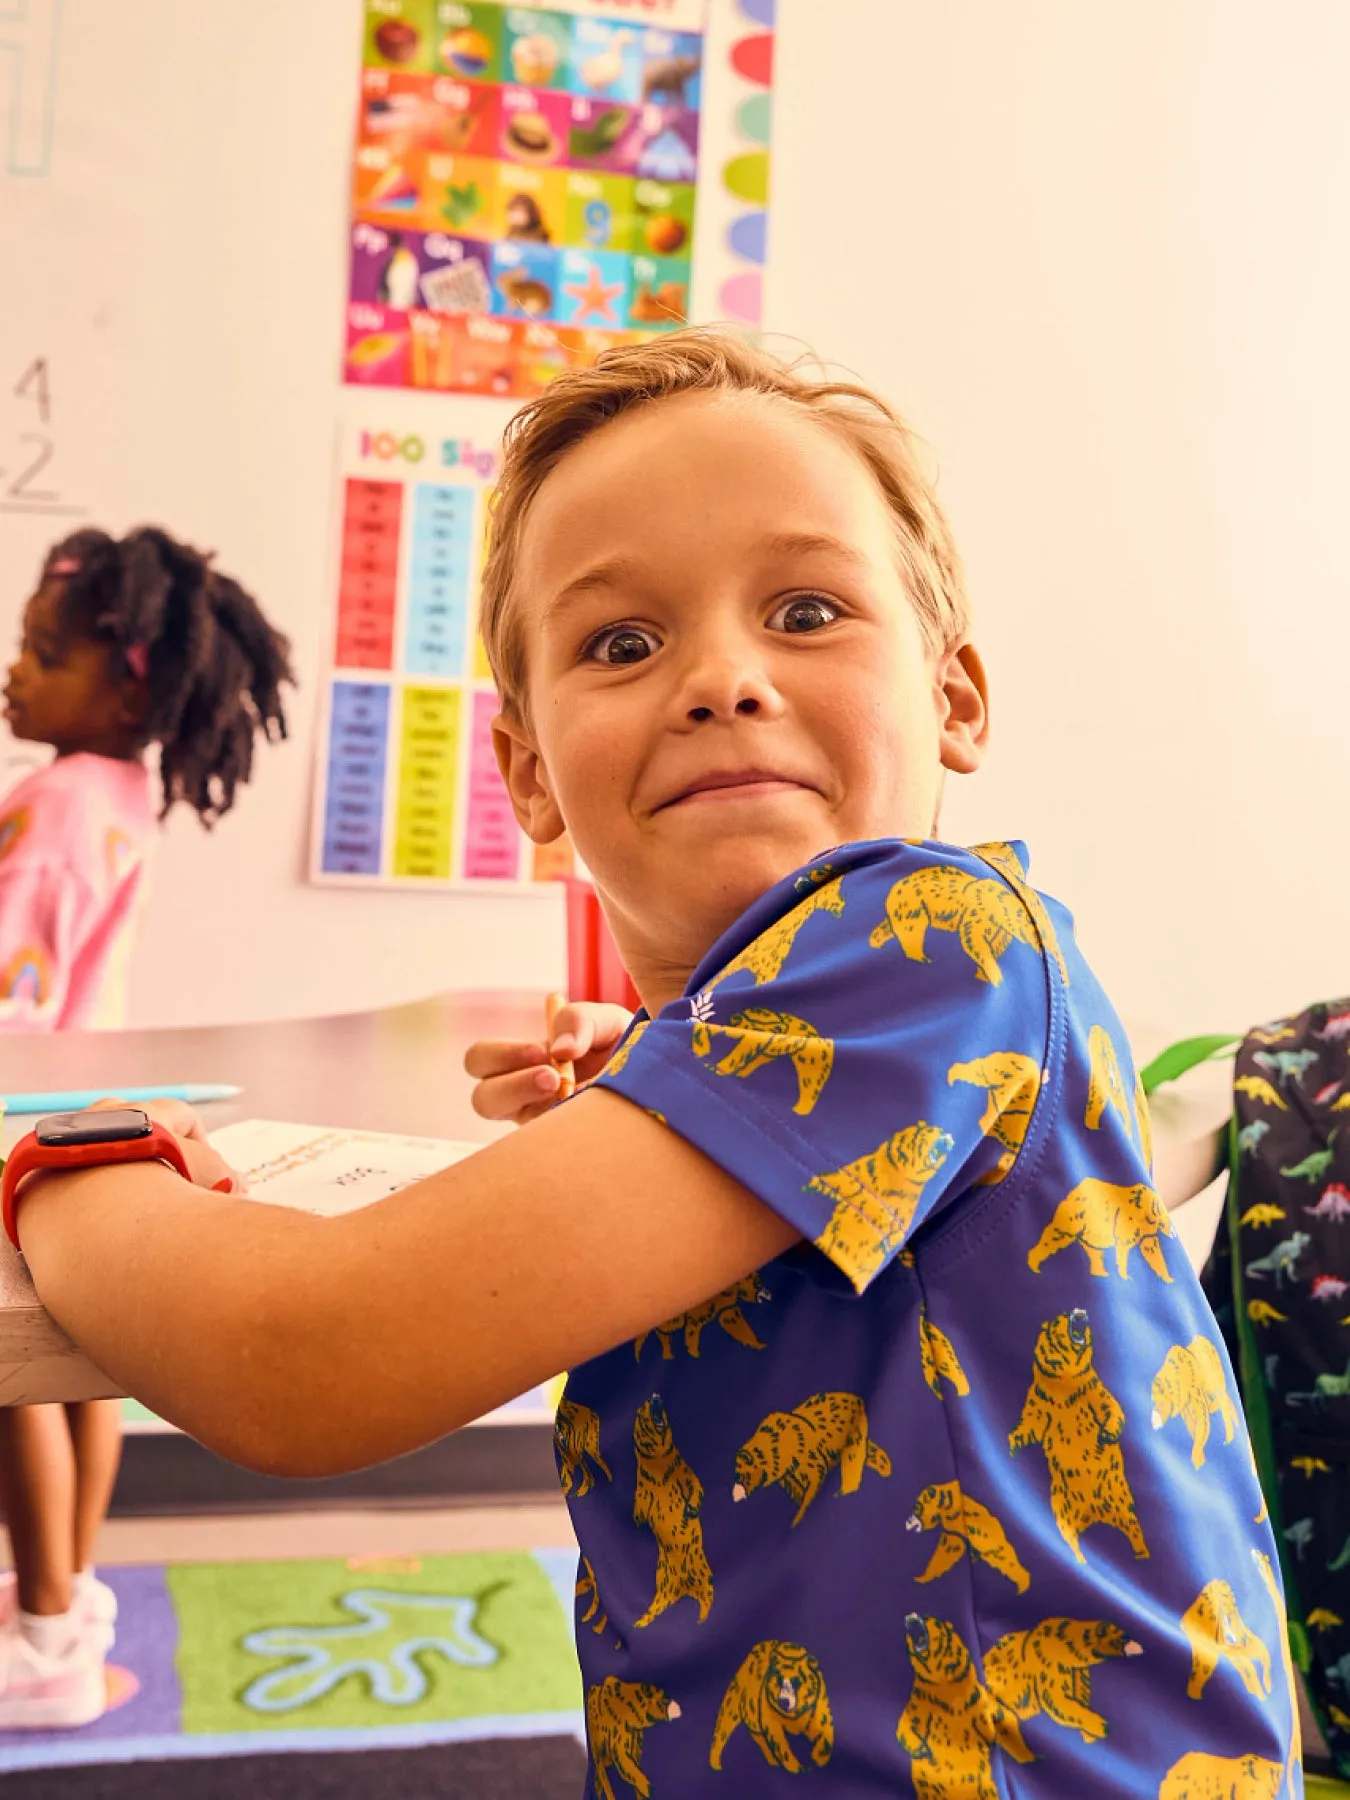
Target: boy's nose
(727, 686)
(746, 707)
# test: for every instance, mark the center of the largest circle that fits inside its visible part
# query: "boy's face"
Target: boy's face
(726, 673)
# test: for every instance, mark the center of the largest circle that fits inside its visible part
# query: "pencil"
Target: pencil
(566, 1072)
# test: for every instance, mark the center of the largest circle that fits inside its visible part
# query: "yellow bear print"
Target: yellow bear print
(668, 1502)
(759, 1036)
(1049, 1670)
(777, 1693)
(1191, 1386)
(1267, 1574)
(588, 1589)
(576, 1437)
(876, 1197)
(1144, 1121)
(952, 1724)
(798, 1449)
(964, 1524)
(620, 1057)
(1201, 1777)
(1013, 1083)
(1106, 1084)
(986, 915)
(938, 1358)
(723, 1309)
(1103, 1217)
(1215, 1630)
(1006, 860)
(764, 958)
(617, 1716)
(1077, 1422)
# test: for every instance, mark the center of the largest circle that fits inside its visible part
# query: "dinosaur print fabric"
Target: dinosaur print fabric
(953, 1495)
(1280, 1283)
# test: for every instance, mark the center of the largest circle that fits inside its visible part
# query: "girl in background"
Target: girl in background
(127, 644)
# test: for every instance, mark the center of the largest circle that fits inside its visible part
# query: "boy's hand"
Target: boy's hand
(516, 1081)
(206, 1166)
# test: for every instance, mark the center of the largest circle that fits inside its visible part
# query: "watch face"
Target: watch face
(119, 1125)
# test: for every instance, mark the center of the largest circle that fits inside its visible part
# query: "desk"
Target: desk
(399, 1069)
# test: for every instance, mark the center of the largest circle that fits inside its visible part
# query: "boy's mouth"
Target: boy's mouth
(732, 784)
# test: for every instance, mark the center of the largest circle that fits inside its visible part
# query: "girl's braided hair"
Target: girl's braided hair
(212, 664)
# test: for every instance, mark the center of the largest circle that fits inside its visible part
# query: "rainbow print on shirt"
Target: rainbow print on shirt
(12, 828)
(27, 975)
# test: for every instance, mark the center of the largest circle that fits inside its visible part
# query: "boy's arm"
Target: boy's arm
(306, 1346)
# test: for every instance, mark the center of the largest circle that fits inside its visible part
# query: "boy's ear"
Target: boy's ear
(963, 708)
(526, 781)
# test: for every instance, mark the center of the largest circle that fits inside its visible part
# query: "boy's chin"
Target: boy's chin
(749, 867)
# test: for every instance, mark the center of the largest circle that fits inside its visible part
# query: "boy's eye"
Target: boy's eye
(619, 645)
(805, 612)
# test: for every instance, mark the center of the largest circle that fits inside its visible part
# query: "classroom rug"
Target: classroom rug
(328, 1679)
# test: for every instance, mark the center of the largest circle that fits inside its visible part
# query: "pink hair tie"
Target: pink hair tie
(138, 659)
(65, 565)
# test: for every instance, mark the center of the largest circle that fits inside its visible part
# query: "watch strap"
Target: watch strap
(28, 1156)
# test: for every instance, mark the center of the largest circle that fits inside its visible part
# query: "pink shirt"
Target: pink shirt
(75, 844)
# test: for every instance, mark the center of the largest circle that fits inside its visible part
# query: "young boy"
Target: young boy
(898, 1440)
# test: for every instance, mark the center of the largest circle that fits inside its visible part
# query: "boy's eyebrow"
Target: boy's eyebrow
(810, 543)
(617, 572)
(613, 573)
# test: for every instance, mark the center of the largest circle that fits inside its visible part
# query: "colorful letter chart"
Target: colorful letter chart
(523, 189)
(409, 790)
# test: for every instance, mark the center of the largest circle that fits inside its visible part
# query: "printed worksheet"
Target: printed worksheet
(328, 1171)
(323, 1170)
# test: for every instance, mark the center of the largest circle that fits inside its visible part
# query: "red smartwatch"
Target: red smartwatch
(85, 1140)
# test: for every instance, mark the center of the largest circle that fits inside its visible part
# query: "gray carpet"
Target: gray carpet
(494, 1769)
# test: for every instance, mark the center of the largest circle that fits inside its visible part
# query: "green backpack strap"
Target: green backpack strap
(1179, 1059)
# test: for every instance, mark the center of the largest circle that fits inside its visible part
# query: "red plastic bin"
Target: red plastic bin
(594, 969)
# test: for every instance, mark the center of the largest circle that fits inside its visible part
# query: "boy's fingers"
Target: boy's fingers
(504, 1097)
(208, 1169)
(491, 1057)
(174, 1115)
(177, 1117)
(579, 1029)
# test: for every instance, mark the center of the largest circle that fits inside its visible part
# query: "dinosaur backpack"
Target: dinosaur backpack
(1279, 1282)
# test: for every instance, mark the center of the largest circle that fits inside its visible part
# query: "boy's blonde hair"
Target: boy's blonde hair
(711, 361)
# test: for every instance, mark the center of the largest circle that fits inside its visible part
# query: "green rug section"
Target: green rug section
(1317, 1787)
(319, 1646)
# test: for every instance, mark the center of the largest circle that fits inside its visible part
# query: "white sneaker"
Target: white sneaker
(94, 1600)
(45, 1693)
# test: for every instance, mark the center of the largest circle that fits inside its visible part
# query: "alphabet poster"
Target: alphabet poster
(530, 186)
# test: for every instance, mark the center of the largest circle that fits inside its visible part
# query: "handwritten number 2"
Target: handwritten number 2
(21, 487)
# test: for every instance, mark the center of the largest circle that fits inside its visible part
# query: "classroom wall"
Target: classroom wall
(1100, 254)
(1097, 253)
(185, 258)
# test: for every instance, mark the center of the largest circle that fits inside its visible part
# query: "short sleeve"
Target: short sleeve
(869, 1045)
(42, 922)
